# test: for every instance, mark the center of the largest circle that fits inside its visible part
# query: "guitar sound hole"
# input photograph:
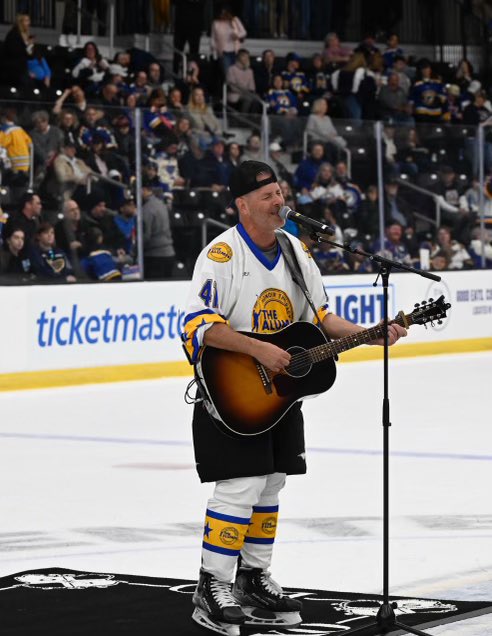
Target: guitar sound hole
(298, 368)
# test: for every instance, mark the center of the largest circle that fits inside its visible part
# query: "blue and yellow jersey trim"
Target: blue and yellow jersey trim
(224, 534)
(263, 525)
(323, 311)
(192, 324)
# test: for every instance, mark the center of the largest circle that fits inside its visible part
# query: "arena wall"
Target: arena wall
(77, 334)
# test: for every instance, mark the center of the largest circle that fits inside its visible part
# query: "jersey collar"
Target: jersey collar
(270, 265)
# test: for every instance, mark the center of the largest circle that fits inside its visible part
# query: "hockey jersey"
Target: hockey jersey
(235, 283)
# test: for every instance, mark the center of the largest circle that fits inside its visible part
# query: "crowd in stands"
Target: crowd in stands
(68, 161)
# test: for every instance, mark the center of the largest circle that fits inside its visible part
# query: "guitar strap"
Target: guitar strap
(297, 277)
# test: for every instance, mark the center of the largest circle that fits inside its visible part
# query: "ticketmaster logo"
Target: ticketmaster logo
(77, 328)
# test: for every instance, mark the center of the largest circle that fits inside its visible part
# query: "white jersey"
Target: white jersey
(235, 283)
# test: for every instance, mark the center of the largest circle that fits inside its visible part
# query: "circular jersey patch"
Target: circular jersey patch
(220, 253)
(272, 311)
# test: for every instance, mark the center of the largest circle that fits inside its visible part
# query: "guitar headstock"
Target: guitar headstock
(429, 311)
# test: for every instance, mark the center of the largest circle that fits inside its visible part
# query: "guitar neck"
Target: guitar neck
(331, 349)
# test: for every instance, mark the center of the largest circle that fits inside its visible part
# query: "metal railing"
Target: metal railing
(210, 222)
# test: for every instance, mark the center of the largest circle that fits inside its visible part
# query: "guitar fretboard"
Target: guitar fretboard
(331, 349)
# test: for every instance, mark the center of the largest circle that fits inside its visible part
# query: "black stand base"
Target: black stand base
(385, 622)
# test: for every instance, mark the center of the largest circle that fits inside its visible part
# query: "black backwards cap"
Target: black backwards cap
(244, 179)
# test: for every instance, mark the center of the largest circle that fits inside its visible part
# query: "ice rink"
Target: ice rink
(101, 478)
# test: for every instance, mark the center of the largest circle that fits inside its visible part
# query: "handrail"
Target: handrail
(173, 49)
(95, 176)
(435, 197)
(205, 223)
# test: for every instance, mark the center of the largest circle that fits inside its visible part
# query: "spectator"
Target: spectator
(265, 72)
(394, 246)
(399, 67)
(70, 172)
(454, 112)
(96, 214)
(393, 103)
(412, 156)
(319, 79)
(481, 246)
(159, 254)
(478, 113)
(306, 171)
(46, 139)
(13, 261)
(71, 233)
(427, 97)
(294, 79)
(347, 82)
(369, 214)
(456, 254)
(204, 122)
(140, 88)
(39, 70)
(198, 167)
(183, 131)
(283, 104)
(222, 167)
(167, 161)
(109, 100)
(334, 54)
(101, 159)
(281, 101)
(188, 26)
(175, 101)
(125, 140)
(241, 84)
(449, 193)
(48, 261)
(226, 36)
(395, 208)
(233, 155)
(69, 126)
(16, 142)
(17, 46)
(320, 128)
(158, 121)
(99, 264)
(439, 261)
(94, 124)
(191, 80)
(253, 151)
(91, 69)
(26, 219)
(126, 230)
(367, 47)
(278, 165)
(155, 74)
(464, 75)
(392, 50)
(77, 102)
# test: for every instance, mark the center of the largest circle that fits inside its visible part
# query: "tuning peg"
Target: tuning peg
(431, 300)
(425, 325)
(439, 322)
(424, 302)
(417, 305)
(432, 323)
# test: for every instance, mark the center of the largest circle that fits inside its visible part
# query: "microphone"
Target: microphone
(287, 213)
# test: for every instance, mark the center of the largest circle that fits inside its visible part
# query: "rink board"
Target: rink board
(74, 334)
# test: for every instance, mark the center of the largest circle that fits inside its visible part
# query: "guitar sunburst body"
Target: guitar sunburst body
(247, 399)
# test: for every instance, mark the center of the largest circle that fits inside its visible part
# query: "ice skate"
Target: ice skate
(263, 600)
(215, 607)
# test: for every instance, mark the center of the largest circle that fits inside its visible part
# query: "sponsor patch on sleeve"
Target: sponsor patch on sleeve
(220, 253)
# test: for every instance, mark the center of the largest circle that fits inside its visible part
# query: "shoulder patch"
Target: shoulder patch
(306, 249)
(220, 253)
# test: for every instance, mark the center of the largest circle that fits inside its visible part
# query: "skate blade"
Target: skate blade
(257, 616)
(204, 620)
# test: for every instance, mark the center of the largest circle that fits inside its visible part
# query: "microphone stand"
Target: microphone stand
(385, 619)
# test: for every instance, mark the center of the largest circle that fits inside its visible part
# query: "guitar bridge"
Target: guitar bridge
(265, 378)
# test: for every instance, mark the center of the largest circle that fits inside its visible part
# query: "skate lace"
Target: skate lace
(270, 585)
(222, 593)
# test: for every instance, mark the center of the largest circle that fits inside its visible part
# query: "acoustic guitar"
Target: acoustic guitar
(248, 399)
